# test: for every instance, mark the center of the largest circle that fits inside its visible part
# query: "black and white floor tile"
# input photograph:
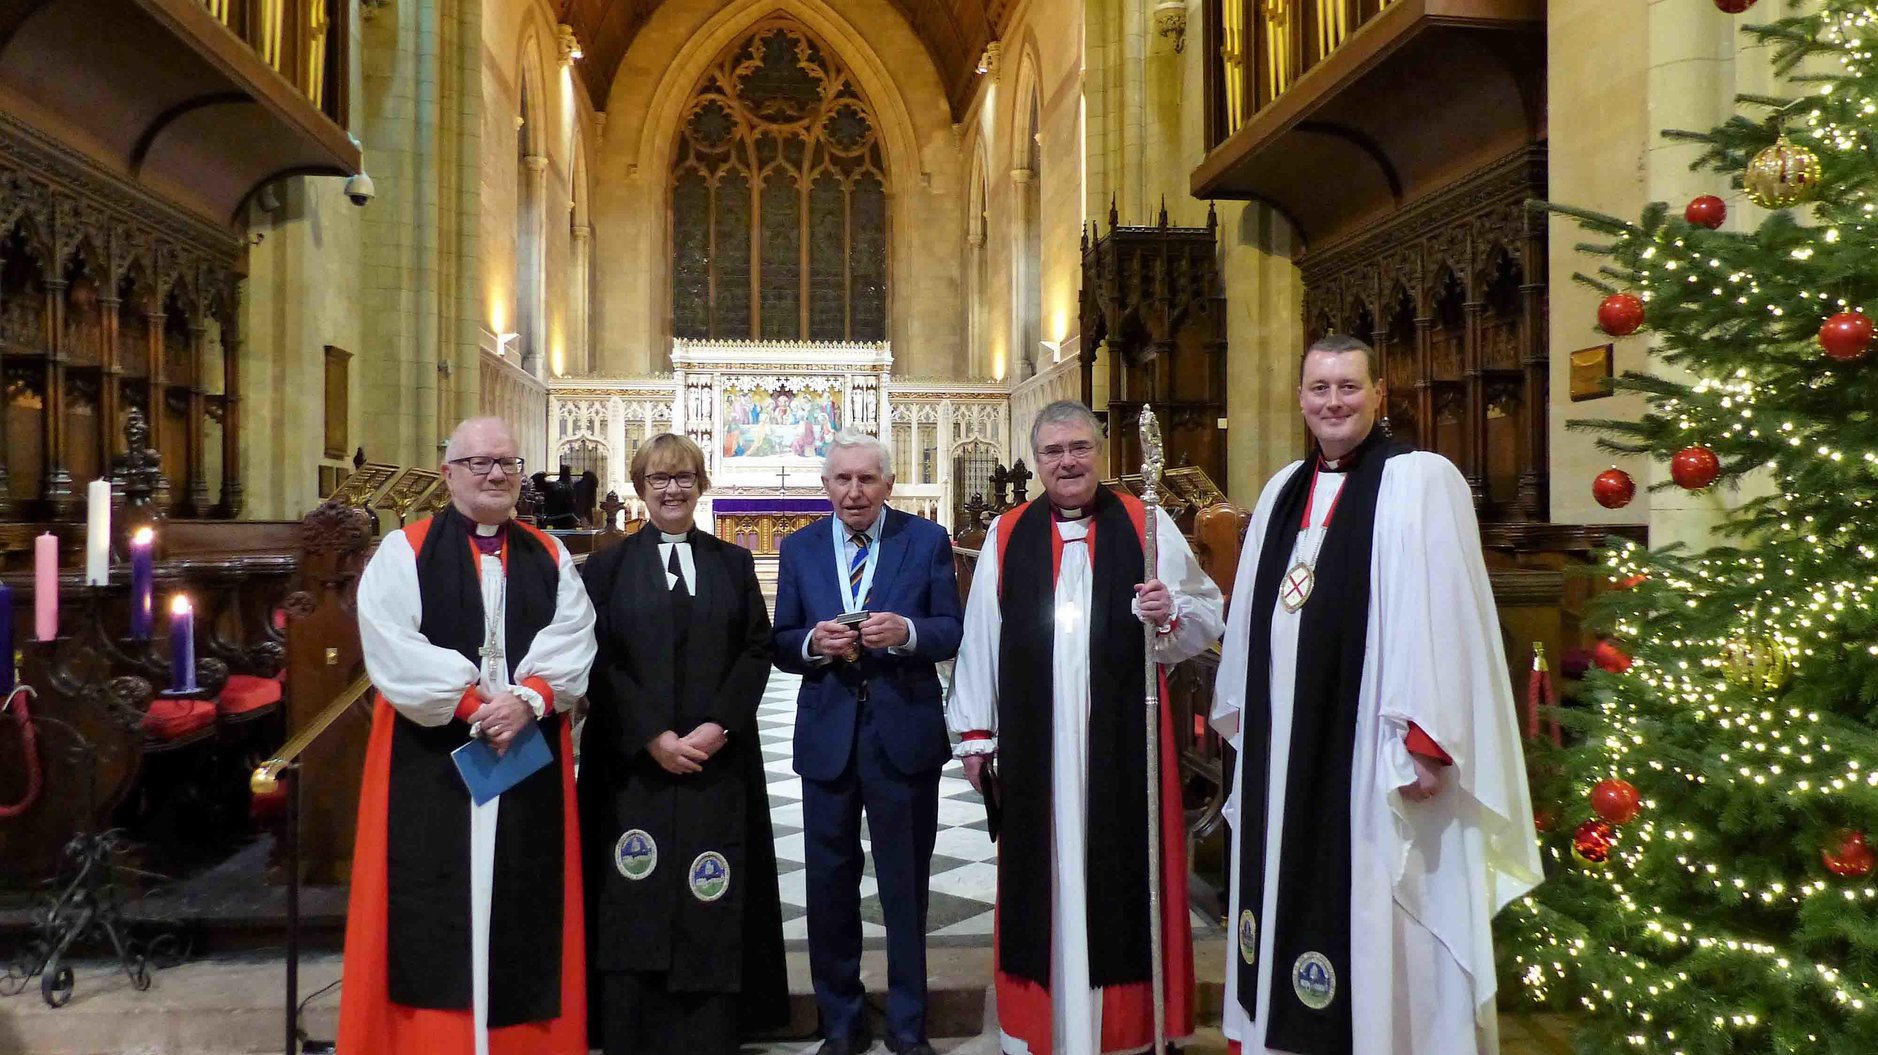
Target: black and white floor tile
(964, 876)
(964, 865)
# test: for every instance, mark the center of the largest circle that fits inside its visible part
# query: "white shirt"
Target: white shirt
(681, 544)
(848, 550)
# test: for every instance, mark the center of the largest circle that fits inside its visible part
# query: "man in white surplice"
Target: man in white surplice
(1364, 685)
(1050, 679)
(464, 931)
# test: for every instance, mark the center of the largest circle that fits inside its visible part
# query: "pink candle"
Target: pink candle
(46, 587)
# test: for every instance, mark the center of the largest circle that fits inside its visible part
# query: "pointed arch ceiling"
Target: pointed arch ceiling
(955, 33)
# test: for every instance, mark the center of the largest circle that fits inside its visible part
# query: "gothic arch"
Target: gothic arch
(1026, 175)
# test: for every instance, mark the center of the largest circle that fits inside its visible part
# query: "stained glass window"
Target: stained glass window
(779, 199)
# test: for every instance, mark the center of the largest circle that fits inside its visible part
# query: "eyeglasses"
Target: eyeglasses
(482, 465)
(659, 481)
(1057, 452)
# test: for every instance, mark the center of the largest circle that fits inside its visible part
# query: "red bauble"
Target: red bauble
(1694, 467)
(1633, 581)
(1593, 842)
(1620, 314)
(1613, 488)
(1543, 819)
(1734, 7)
(1616, 801)
(1708, 210)
(1851, 859)
(1610, 658)
(1846, 336)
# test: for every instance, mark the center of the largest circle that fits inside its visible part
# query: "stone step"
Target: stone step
(233, 1004)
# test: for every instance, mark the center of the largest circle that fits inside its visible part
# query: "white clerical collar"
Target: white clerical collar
(682, 536)
(486, 530)
(1072, 513)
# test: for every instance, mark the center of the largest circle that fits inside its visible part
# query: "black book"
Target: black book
(994, 813)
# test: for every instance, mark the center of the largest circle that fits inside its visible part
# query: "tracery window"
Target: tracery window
(779, 199)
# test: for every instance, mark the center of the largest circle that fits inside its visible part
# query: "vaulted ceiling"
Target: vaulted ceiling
(955, 33)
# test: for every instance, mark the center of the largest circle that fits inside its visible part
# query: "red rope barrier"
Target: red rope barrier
(1539, 690)
(15, 705)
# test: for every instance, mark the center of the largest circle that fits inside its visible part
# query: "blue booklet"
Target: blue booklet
(488, 774)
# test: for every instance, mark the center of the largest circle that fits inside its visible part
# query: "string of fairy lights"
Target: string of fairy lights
(1688, 706)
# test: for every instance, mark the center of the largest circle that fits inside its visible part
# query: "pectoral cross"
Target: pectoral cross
(492, 661)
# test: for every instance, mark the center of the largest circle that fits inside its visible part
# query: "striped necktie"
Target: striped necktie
(857, 568)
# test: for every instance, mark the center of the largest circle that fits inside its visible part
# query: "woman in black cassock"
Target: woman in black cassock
(684, 923)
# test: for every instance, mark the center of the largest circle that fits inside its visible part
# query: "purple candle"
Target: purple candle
(6, 640)
(142, 584)
(182, 645)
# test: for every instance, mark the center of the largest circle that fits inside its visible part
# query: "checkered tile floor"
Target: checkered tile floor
(964, 863)
(964, 875)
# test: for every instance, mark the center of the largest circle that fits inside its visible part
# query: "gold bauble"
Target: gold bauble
(1760, 662)
(1782, 175)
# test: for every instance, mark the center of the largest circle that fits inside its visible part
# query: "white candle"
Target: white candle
(98, 533)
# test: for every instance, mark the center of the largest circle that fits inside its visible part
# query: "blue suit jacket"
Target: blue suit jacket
(913, 577)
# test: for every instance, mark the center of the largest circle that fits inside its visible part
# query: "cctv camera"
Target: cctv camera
(359, 188)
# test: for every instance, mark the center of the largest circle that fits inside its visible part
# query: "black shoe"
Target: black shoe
(909, 1047)
(857, 1044)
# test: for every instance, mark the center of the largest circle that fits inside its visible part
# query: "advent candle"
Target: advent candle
(98, 533)
(142, 584)
(6, 640)
(46, 587)
(182, 645)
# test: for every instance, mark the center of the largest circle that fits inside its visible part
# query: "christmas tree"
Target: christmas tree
(1710, 888)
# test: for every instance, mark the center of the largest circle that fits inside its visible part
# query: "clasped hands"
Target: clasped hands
(683, 755)
(880, 630)
(501, 716)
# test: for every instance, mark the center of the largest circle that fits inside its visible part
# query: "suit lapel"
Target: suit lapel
(893, 544)
(830, 576)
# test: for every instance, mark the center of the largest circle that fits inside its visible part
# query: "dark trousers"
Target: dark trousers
(902, 822)
(642, 1017)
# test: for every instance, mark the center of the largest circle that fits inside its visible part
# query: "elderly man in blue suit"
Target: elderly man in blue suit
(870, 730)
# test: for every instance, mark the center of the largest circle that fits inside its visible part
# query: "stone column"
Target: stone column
(530, 263)
(579, 324)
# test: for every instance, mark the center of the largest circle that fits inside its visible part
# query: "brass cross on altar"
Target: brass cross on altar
(782, 479)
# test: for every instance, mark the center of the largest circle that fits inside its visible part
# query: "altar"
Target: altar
(763, 413)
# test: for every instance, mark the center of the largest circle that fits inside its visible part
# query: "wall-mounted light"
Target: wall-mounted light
(570, 44)
(988, 62)
(503, 340)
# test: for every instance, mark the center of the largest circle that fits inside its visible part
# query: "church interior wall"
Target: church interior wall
(561, 120)
(1039, 57)
(1682, 70)
(1145, 134)
(632, 310)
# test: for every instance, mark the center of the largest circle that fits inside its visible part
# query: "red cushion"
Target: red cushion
(246, 693)
(175, 719)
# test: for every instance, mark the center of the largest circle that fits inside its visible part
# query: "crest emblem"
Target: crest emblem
(635, 854)
(1248, 937)
(1314, 980)
(710, 876)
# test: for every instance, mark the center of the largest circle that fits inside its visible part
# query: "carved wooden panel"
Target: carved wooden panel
(1152, 298)
(103, 288)
(1451, 293)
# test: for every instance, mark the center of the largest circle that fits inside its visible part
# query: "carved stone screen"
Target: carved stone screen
(779, 199)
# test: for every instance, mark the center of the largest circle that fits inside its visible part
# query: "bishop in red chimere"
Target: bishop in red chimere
(1049, 682)
(464, 932)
